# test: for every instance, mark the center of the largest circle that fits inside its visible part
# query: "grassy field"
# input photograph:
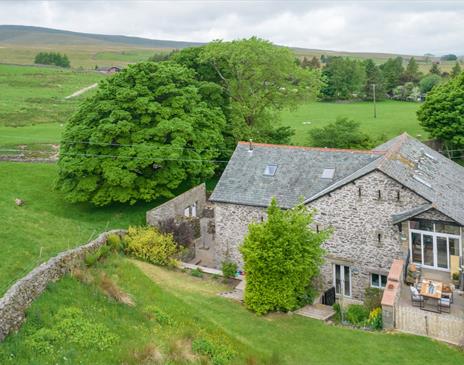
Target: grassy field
(32, 95)
(393, 118)
(173, 310)
(46, 224)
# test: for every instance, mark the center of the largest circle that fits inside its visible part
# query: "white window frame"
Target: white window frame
(380, 286)
(187, 211)
(434, 237)
(342, 279)
(194, 210)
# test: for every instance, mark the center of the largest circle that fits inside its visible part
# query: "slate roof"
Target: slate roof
(413, 164)
(298, 173)
(402, 216)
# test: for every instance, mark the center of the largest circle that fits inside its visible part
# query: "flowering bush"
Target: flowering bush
(148, 244)
(375, 318)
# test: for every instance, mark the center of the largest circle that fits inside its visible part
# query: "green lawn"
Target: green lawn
(32, 95)
(195, 311)
(46, 224)
(393, 118)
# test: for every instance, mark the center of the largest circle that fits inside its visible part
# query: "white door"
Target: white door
(342, 280)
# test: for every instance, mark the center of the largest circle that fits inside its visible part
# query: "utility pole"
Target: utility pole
(373, 98)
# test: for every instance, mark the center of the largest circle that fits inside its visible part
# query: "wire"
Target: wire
(127, 157)
(134, 144)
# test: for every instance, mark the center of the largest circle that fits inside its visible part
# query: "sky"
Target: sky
(396, 26)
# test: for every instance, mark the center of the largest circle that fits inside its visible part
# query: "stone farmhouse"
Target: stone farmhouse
(401, 200)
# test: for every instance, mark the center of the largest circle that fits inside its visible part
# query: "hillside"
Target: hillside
(20, 44)
(27, 35)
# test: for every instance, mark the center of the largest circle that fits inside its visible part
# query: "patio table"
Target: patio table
(431, 290)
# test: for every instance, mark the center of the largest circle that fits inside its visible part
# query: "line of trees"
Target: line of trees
(52, 58)
(347, 78)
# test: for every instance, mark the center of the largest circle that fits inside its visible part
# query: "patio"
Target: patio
(444, 326)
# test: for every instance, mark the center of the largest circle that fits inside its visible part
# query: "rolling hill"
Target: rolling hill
(27, 35)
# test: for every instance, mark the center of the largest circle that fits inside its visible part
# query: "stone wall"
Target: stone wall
(176, 206)
(231, 223)
(21, 295)
(358, 220)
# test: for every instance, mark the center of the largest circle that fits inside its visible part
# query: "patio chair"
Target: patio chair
(447, 295)
(417, 300)
(444, 305)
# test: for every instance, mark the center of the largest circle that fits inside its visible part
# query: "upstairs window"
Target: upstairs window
(270, 170)
(328, 174)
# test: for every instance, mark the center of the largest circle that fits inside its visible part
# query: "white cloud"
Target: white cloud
(410, 27)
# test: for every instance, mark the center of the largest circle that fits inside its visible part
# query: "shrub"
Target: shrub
(218, 353)
(148, 244)
(373, 298)
(159, 315)
(229, 269)
(357, 314)
(71, 326)
(338, 312)
(375, 319)
(282, 257)
(182, 231)
(455, 276)
(197, 273)
(115, 242)
(91, 258)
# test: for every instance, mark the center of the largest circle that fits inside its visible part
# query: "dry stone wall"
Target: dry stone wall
(21, 295)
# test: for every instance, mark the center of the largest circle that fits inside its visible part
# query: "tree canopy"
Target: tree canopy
(428, 82)
(442, 113)
(435, 70)
(344, 77)
(392, 71)
(412, 74)
(456, 70)
(373, 77)
(260, 79)
(145, 131)
(52, 58)
(344, 133)
(282, 256)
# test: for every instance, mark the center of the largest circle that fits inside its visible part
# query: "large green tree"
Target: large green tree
(412, 74)
(456, 69)
(259, 79)
(392, 71)
(442, 113)
(344, 77)
(428, 82)
(373, 77)
(145, 131)
(282, 255)
(344, 133)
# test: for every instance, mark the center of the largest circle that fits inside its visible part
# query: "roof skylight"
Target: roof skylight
(328, 174)
(421, 180)
(270, 170)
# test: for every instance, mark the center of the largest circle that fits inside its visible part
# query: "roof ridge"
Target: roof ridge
(322, 149)
(394, 148)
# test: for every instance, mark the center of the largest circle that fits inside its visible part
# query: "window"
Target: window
(270, 170)
(378, 281)
(194, 209)
(422, 181)
(328, 174)
(187, 212)
(432, 243)
(342, 280)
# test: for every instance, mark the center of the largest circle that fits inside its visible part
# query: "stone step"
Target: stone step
(316, 311)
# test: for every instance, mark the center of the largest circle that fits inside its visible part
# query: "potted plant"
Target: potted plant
(456, 279)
